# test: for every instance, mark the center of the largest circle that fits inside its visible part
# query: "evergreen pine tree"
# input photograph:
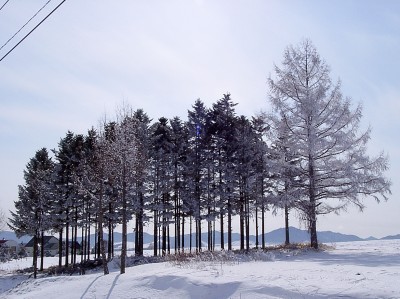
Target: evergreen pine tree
(198, 128)
(223, 128)
(32, 210)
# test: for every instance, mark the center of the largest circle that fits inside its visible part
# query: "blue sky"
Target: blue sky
(90, 56)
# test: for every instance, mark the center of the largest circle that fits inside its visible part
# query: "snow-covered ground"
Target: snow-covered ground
(369, 269)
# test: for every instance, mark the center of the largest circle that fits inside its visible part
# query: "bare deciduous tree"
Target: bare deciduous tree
(335, 168)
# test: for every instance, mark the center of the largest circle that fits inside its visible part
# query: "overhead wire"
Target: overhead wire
(25, 24)
(32, 30)
(4, 4)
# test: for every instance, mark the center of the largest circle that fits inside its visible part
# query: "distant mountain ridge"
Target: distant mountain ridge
(391, 237)
(276, 236)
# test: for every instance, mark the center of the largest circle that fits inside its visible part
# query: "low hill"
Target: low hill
(391, 237)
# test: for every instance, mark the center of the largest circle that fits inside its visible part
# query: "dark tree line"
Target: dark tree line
(172, 174)
(180, 176)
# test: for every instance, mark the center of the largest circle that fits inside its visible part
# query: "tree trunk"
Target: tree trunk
(41, 250)
(177, 231)
(60, 247)
(164, 237)
(168, 240)
(140, 226)
(88, 239)
(100, 231)
(176, 208)
(67, 240)
(102, 247)
(241, 225)
(124, 226)
(98, 242)
(76, 234)
(35, 254)
(313, 233)
(229, 224)
(159, 241)
(96, 238)
(209, 233)
(112, 243)
(247, 217)
(287, 240)
(72, 243)
(199, 230)
(155, 231)
(263, 226)
(257, 241)
(221, 202)
(183, 233)
(222, 230)
(82, 242)
(190, 234)
(213, 236)
(312, 216)
(110, 235)
(135, 230)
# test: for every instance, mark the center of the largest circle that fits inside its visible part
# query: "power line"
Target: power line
(4, 4)
(32, 30)
(25, 24)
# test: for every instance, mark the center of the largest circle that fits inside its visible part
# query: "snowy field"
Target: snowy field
(369, 269)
